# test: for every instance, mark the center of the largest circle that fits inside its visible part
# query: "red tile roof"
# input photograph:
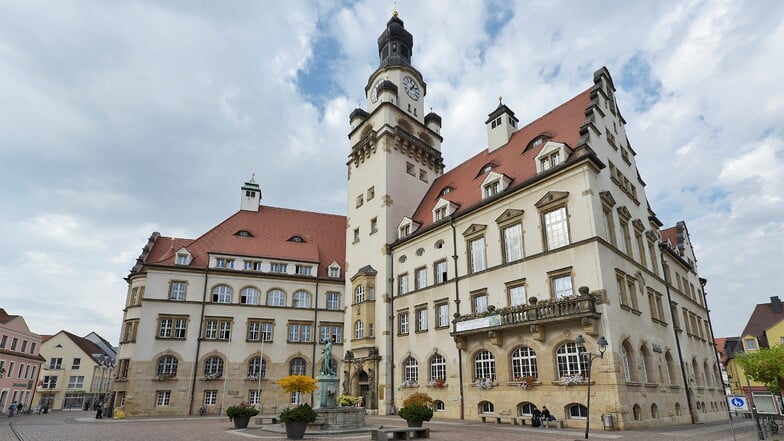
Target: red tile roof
(561, 124)
(271, 228)
(85, 345)
(6, 317)
(761, 319)
(671, 235)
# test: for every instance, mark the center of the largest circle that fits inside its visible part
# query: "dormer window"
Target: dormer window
(487, 168)
(297, 239)
(222, 262)
(448, 189)
(334, 271)
(243, 233)
(182, 259)
(493, 184)
(405, 230)
(406, 227)
(492, 189)
(550, 161)
(439, 213)
(551, 155)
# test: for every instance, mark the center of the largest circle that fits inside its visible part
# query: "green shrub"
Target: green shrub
(241, 411)
(416, 408)
(299, 414)
(347, 400)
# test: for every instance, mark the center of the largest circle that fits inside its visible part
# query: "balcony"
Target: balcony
(580, 308)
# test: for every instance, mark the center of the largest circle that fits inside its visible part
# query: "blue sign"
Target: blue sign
(739, 403)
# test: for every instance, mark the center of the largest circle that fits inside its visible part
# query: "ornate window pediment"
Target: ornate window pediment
(406, 227)
(494, 183)
(552, 197)
(551, 155)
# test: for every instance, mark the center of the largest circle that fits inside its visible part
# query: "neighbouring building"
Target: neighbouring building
(209, 321)
(78, 371)
(471, 284)
(19, 361)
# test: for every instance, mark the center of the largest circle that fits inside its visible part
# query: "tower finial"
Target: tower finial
(500, 101)
(394, 9)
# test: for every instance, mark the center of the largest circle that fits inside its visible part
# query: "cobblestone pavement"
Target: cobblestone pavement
(82, 426)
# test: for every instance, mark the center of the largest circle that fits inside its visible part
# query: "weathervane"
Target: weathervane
(394, 9)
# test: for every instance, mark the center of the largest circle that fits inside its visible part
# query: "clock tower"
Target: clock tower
(395, 156)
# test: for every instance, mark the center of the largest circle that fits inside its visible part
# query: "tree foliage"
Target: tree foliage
(298, 383)
(765, 366)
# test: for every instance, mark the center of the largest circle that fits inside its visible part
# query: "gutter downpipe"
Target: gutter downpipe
(198, 341)
(317, 334)
(457, 311)
(390, 334)
(686, 386)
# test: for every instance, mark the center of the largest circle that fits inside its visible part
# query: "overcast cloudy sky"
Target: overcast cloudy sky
(122, 118)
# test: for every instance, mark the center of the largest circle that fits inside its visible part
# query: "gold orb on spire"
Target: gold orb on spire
(500, 100)
(394, 9)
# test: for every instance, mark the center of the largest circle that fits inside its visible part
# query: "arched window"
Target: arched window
(439, 406)
(484, 366)
(654, 411)
(695, 370)
(359, 329)
(627, 372)
(637, 412)
(301, 300)
(298, 366)
(525, 409)
(257, 366)
(677, 409)
(213, 366)
(569, 360)
(411, 371)
(167, 365)
(221, 294)
(576, 412)
(707, 374)
(249, 296)
(486, 407)
(437, 367)
(646, 365)
(524, 363)
(276, 297)
(359, 294)
(671, 367)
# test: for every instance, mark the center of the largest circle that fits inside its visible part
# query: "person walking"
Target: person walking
(11, 409)
(98, 410)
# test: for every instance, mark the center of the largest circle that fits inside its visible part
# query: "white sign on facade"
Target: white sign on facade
(479, 323)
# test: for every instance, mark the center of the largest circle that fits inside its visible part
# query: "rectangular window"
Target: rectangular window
(562, 286)
(371, 193)
(421, 319)
(217, 329)
(652, 253)
(165, 328)
(24, 346)
(332, 332)
(334, 272)
(177, 291)
(442, 315)
(402, 284)
(162, 397)
(3, 342)
(14, 342)
(374, 225)
(259, 330)
(210, 397)
(333, 300)
(516, 295)
(492, 189)
(621, 281)
(513, 243)
(641, 248)
(254, 397)
(479, 303)
(304, 270)
(404, 231)
(182, 259)
(402, 323)
(477, 247)
(359, 201)
(422, 175)
(32, 348)
(76, 382)
(356, 235)
(50, 382)
(55, 364)
(410, 169)
(609, 224)
(439, 213)
(627, 240)
(300, 332)
(440, 271)
(277, 267)
(751, 345)
(421, 278)
(76, 363)
(556, 228)
(180, 327)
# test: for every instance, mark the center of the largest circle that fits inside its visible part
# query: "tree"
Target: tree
(765, 366)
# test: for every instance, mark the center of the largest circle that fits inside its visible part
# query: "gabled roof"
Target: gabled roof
(561, 124)
(85, 345)
(5, 317)
(270, 230)
(761, 319)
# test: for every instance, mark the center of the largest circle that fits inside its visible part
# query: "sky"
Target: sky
(122, 118)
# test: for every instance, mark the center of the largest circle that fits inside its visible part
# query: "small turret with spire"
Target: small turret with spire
(251, 195)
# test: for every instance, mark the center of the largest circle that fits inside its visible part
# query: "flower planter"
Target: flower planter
(414, 423)
(241, 422)
(295, 429)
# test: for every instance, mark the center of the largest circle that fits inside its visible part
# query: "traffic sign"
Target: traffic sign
(738, 403)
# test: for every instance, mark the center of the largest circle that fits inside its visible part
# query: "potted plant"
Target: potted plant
(416, 408)
(297, 418)
(241, 414)
(532, 300)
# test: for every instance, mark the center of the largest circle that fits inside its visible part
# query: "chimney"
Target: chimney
(775, 304)
(501, 124)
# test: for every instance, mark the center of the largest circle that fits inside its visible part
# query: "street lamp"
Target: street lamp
(589, 358)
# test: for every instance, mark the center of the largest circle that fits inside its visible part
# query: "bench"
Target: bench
(399, 433)
(266, 419)
(498, 419)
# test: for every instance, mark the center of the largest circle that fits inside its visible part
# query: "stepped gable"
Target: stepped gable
(561, 124)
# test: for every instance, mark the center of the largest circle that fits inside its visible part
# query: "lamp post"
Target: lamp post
(589, 358)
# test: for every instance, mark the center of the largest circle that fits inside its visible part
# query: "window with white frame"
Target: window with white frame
(210, 397)
(570, 360)
(257, 367)
(295, 398)
(440, 268)
(334, 272)
(550, 161)
(421, 278)
(411, 371)
(76, 382)
(486, 407)
(484, 365)
(333, 300)
(298, 366)
(577, 412)
(437, 367)
(491, 189)
(254, 397)
(50, 381)
(477, 250)
(303, 270)
(513, 243)
(249, 296)
(221, 294)
(402, 284)
(562, 286)
(439, 406)
(442, 315)
(300, 332)
(524, 363)
(402, 323)
(182, 259)
(177, 291)
(55, 364)
(359, 294)
(278, 267)
(76, 363)
(276, 297)
(421, 319)
(259, 331)
(479, 303)
(222, 262)
(301, 299)
(213, 366)
(167, 365)
(525, 409)
(440, 213)
(334, 333)
(162, 397)
(359, 329)
(217, 329)
(556, 228)
(516, 295)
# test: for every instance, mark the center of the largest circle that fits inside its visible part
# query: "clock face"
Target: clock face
(374, 91)
(411, 88)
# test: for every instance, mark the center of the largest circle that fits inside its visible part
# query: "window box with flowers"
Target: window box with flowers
(437, 383)
(576, 378)
(410, 383)
(211, 376)
(526, 381)
(484, 383)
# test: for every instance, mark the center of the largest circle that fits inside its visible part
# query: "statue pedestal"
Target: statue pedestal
(328, 391)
